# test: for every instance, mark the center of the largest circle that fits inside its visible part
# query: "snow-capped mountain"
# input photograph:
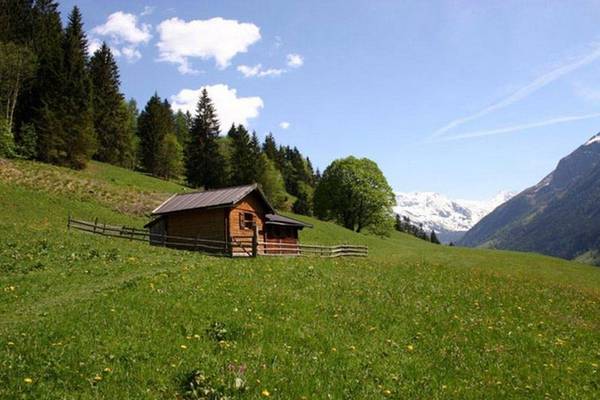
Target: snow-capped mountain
(450, 219)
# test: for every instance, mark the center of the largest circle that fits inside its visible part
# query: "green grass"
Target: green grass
(90, 317)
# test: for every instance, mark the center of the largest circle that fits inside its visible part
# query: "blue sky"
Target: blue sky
(464, 98)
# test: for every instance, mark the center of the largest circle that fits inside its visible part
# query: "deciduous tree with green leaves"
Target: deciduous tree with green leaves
(354, 193)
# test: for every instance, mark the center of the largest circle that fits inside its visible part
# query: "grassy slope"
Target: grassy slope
(93, 317)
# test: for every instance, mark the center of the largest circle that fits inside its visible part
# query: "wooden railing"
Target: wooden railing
(246, 246)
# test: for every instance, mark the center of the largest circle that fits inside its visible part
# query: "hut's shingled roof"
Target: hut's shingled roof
(209, 198)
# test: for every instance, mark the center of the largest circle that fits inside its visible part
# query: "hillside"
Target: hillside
(559, 216)
(92, 317)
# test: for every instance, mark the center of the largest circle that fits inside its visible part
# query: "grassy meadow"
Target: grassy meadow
(90, 317)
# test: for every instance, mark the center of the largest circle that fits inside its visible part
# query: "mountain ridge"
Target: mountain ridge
(558, 216)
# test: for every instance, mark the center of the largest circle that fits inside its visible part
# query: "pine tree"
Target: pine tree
(247, 162)
(257, 161)
(433, 238)
(16, 21)
(115, 142)
(269, 147)
(76, 111)
(154, 124)
(241, 157)
(44, 99)
(204, 163)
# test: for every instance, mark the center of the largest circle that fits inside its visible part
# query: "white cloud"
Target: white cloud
(217, 38)
(147, 10)
(258, 71)
(230, 108)
(295, 60)
(527, 90)
(284, 125)
(123, 27)
(522, 127)
(124, 35)
(131, 53)
(94, 45)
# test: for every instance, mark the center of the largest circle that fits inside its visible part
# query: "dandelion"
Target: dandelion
(238, 383)
(387, 392)
(107, 369)
(333, 349)
(410, 347)
(97, 378)
(11, 343)
(265, 393)
(183, 346)
(28, 380)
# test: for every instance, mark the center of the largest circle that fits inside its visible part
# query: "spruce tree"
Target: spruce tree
(16, 21)
(154, 124)
(115, 142)
(269, 147)
(241, 156)
(45, 96)
(76, 112)
(204, 163)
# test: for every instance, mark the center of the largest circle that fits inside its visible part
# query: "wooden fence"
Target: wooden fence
(246, 246)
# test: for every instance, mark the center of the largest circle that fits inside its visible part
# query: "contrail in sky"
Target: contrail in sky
(514, 128)
(524, 91)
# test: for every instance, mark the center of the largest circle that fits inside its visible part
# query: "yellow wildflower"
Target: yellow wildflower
(387, 392)
(28, 380)
(410, 347)
(265, 393)
(183, 346)
(97, 378)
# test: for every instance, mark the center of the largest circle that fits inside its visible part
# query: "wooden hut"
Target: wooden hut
(223, 220)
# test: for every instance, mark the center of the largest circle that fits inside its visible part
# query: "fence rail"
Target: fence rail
(246, 246)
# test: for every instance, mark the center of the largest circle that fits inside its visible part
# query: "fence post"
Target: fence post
(95, 224)
(69, 222)
(255, 242)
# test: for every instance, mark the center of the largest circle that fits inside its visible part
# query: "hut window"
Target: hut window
(246, 220)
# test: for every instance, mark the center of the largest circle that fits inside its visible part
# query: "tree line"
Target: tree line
(404, 224)
(62, 106)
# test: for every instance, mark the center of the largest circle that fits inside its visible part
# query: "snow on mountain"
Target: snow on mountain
(595, 139)
(443, 215)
